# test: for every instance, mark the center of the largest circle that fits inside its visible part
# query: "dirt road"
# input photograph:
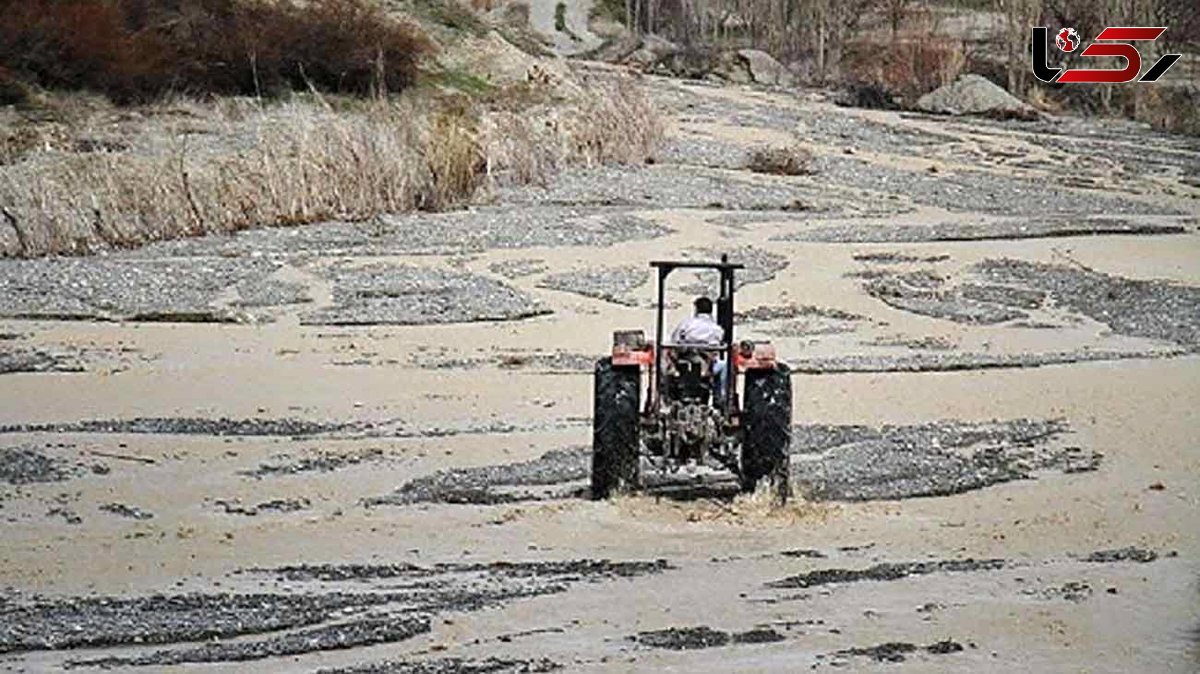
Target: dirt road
(367, 449)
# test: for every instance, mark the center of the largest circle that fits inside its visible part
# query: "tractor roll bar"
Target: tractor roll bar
(724, 318)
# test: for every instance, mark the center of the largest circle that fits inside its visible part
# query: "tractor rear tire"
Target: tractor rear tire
(615, 442)
(767, 439)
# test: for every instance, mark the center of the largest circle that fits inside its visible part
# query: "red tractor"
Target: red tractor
(685, 418)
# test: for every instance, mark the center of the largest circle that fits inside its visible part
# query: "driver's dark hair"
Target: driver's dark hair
(703, 305)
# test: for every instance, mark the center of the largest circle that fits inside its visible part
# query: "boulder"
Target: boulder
(763, 68)
(976, 95)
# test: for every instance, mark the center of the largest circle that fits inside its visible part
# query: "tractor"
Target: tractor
(661, 405)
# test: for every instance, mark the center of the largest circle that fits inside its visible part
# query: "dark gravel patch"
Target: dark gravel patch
(939, 459)
(1128, 554)
(1074, 591)
(127, 511)
(386, 294)
(323, 462)
(1155, 309)
(955, 362)
(786, 311)
(279, 505)
(451, 666)
(693, 638)
(37, 360)
(484, 485)
(611, 284)
(336, 619)
(892, 257)
(93, 622)
(192, 426)
(885, 572)
(25, 465)
(340, 636)
(925, 293)
(999, 230)
(550, 362)
(790, 320)
(563, 570)
(898, 651)
(123, 288)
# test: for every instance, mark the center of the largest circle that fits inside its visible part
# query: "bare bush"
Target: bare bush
(791, 160)
(906, 69)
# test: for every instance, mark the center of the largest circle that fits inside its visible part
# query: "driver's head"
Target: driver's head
(703, 306)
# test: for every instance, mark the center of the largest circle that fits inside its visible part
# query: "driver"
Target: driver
(701, 329)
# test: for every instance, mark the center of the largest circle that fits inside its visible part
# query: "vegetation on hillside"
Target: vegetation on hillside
(141, 120)
(139, 50)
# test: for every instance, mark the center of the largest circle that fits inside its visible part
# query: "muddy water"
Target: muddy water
(210, 461)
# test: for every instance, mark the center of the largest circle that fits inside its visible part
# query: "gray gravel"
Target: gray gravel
(1155, 309)
(611, 284)
(972, 191)
(26, 465)
(814, 125)
(884, 572)
(13, 361)
(951, 362)
(906, 462)
(338, 636)
(451, 666)
(330, 620)
(78, 622)
(322, 462)
(515, 269)
(925, 293)
(451, 233)
(279, 505)
(693, 638)
(123, 288)
(127, 511)
(407, 295)
(486, 484)
(672, 187)
(192, 426)
(271, 293)
(983, 230)
(892, 651)
(761, 266)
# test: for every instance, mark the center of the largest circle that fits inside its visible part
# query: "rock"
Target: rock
(976, 95)
(764, 69)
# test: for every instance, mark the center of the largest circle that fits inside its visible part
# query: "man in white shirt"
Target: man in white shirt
(701, 329)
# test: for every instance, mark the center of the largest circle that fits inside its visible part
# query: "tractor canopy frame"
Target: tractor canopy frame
(724, 306)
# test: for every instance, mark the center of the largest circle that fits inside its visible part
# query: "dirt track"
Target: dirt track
(366, 451)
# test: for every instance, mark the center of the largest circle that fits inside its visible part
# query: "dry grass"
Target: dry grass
(117, 178)
(790, 160)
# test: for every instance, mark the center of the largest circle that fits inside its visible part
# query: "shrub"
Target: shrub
(906, 69)
(141, 49)
(791, 160)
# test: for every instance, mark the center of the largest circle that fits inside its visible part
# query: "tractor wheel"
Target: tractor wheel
(767, 421)
(615, 428)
